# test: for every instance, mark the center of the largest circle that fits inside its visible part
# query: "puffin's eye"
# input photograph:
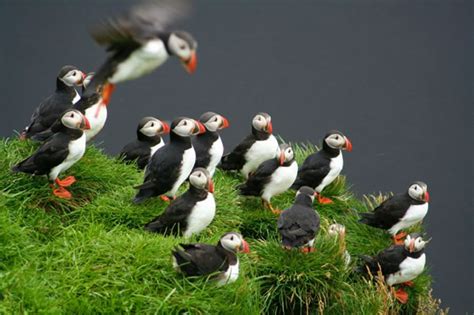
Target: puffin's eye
(182, 46)
(72, 115)
(231, 238)
(216, 119)
(152, 125)
(337, 137)
(185, 123)
(74, 73)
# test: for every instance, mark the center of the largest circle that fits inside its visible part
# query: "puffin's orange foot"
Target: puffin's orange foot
(166, 198)
(68, 181)
(307, 250)
(61, 192)
(107, 93)
(398, 239)
(408, 284)
(324, 200)
(401, 295)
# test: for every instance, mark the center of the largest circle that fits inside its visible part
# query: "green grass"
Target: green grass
(91, 255)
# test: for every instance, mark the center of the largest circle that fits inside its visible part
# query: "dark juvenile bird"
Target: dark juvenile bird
(299, 224)
(172, 164)
(321, 168)
(259, 146)
(399, 264)
(209, 147)
(203, 259)
(52, 107)
(272, 177)
(191, 212)
(139, 41)
(400, 211)
(62, 150)
(148, 141)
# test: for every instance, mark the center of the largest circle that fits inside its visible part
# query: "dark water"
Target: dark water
(394, 76)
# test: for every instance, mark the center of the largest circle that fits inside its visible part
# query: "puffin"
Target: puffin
(203, 259)
(51, 108)
(138, 42)
(148, 140)
(299, 224)
(338, 231)
(400, 211)
(172, 164)
(191, 212)
(62, 150)
(321, 168)
(259, 146)
(399, 264)
(87, 80)
(209, 147)
(272, 177)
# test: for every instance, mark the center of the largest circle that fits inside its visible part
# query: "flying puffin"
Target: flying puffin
(51, 108)
(299, 224)
(148, 140)
(400, 211)
(321, 168)
(191, 212)
(338, 231)
(208, 146)
(399, 264)
(172, 164)
(272, 177)
(203, 259)
(59, 152)
(256, 148)
(138, 43)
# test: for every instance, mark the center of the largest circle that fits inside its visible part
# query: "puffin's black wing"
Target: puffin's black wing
(298, 225)
(257, 180)
(389, 260)
(236, 159)
(136, 151)
(312, 172)
(388, 213)
(48, 155)
(200, 259)
(202, 144)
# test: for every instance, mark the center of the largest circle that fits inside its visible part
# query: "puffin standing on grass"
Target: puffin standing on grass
(66, 146)
(272, 177)
(54, 105)
(139, 43)
(203, 259)
(321, 168)
(191, 212)
(259, 146)
(209, 147)
(172, 164)
(400, 211)
(148, 141)
(399, 264)
(299, 224)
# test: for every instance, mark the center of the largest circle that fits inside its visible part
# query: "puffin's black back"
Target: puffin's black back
(258, 180)
(203, 259)
(202, 144)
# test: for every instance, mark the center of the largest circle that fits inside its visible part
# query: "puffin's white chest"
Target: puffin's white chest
(410, 268)
(76, 148)
(154, 148)
(216, 151)
(97, 115)
(187, 164)
(414, 214)
(335, 168)
(280, 181)
(230, 275)
(142, 61)
(201, 216)
(259, 152)
(76, 98)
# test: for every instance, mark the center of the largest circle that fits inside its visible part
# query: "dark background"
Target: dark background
(394, 76)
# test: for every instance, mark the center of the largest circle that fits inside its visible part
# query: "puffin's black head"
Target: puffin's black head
(201, 179)
(74, 119)
(336, 140)
(414, 242)
(70, 75)
(213, 121)
(263, 122)
(151, 127)
(234, 242)
(419, 191)
(186, 127)
(306, 192)
(287, 155)
(184, 46)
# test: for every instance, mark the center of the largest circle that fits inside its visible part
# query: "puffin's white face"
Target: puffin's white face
(201, 179)
(419, 191)
(184, 49)
(73, 77)
(216, 122)
(75, 120)
(337, 229)
(188, 127)
(262, 123)
(87, 79)
(154, 127)
(234, 242)
(338, 141)
(288, 154)
(414, 244)
(308, 191)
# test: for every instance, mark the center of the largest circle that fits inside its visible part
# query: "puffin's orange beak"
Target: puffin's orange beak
(225, 123)
(270, 127)
(85, 124)
(191, 63)
(211, 186)
(348, 145)
(412, 246)
(282, 157)
(166, 128)
(426, 197)
(199, 128)
(245, 248)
